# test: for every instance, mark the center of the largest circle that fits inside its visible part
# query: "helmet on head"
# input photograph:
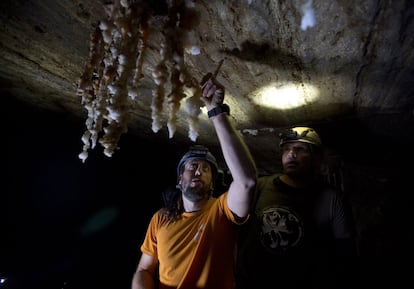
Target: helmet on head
(198, 152)
(301, 134)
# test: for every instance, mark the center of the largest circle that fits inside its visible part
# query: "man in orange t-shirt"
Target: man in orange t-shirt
(191, 242)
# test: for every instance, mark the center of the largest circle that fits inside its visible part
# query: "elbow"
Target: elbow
(240, 202)
(251, 180)
(249, 185)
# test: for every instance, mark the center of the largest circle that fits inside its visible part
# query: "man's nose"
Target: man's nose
(197, 172)
(292, 153)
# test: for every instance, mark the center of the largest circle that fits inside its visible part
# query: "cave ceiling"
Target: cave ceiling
(344, 67)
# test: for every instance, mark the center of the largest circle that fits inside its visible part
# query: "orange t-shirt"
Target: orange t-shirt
(196, 251)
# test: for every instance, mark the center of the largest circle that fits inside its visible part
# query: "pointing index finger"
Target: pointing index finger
(211, 75)
(218, 68)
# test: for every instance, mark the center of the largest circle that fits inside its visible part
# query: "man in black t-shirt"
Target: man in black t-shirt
(301, 231)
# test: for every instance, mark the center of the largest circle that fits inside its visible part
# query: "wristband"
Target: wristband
(219, 110)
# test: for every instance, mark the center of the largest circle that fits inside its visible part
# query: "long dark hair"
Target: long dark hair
(173, 203)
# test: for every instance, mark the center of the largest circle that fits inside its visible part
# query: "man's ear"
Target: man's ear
(179, 179)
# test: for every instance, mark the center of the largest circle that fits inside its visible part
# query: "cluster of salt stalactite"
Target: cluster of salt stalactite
(176, 30)
(114, 69)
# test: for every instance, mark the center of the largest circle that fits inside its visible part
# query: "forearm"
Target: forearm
(240, 163)
(235, 151)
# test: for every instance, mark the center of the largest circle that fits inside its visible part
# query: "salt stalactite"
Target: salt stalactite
(159, 75)
(192, 107)
(308, 16)
(123, 47)
(88, 91)
(143, 31)
(174, 99)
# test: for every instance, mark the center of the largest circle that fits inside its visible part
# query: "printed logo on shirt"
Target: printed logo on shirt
(199, 232)
(281, 229)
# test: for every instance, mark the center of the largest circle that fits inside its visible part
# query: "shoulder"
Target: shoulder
(221, 200)
(158, 217)
(221, 207)
(266, 179)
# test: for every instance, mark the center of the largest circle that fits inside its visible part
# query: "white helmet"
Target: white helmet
(301, 134)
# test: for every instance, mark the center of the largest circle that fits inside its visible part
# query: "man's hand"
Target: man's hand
(212, 91)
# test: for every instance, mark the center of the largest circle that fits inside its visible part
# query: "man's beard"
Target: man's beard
(195, 194)
(299, 173)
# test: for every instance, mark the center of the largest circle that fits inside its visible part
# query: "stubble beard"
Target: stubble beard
(194, 194)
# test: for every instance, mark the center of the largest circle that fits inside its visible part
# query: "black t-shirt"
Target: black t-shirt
(291, 239)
